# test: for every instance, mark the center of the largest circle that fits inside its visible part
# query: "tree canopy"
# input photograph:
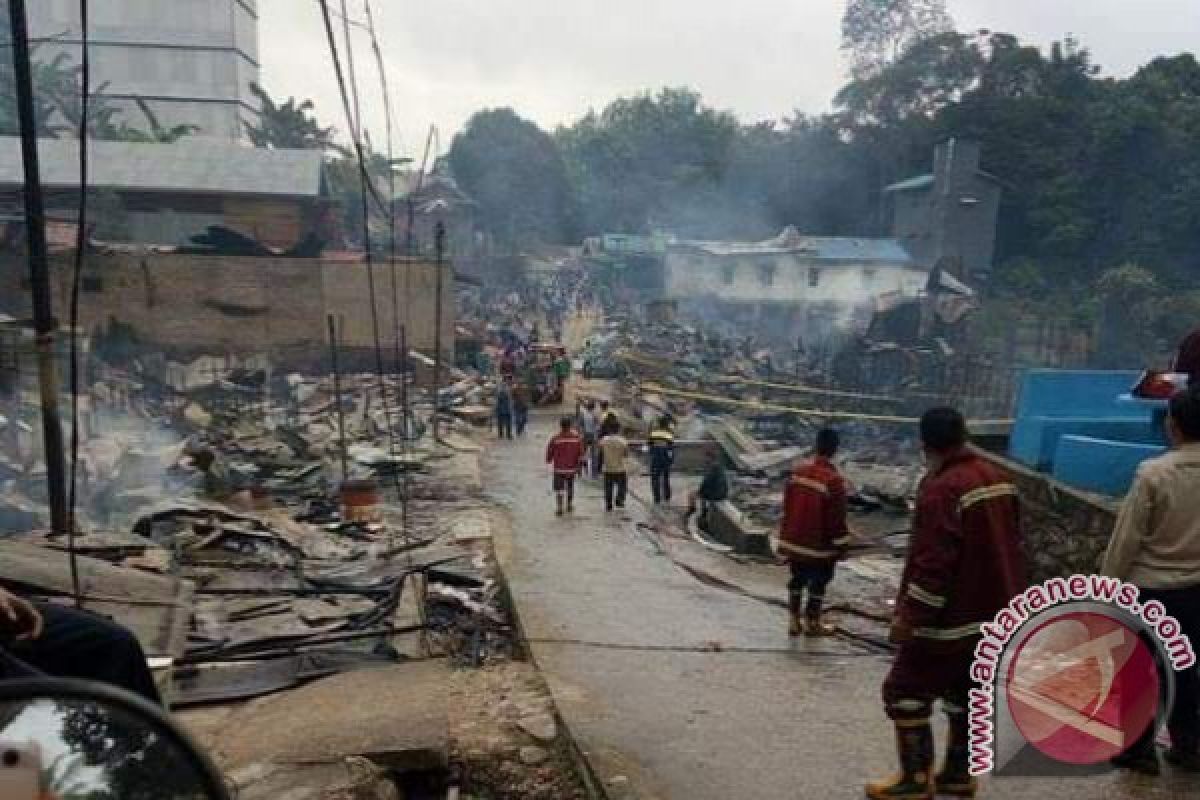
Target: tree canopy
(877, 33)
(516, 174)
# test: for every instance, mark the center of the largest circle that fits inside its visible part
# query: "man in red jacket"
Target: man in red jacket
(814, 535)
(964, 564)
(565, 454)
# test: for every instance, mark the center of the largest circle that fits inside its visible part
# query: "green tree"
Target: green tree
(290, 125)
(653, 160)
(51, 81)
(516, 174)
(877, 33)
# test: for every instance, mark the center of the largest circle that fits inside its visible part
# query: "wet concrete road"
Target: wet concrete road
(675, 689)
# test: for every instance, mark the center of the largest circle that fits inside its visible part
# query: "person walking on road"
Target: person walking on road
(965, 562)
(814, 535)
(662, 457)
(521, 408)
(614, 450)
(1156, 547)
(504, 409)
(609, 423)
(565, 454)
(589, 427)
(562, 371)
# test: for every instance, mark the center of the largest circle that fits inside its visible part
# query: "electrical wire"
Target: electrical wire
(397, 363)
(389, 142)
(81, 239)
(367, 187)
(352, 73)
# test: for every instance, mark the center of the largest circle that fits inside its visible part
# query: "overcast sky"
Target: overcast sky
(551, 60)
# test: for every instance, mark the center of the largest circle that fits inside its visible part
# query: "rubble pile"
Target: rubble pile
(258, 533)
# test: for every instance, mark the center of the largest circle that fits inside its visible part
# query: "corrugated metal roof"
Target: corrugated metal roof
(927, 181)
(912, 184)
(192, 166)
(820, 248)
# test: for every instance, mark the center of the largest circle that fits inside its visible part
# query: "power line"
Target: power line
(366, 187)
(398, 343)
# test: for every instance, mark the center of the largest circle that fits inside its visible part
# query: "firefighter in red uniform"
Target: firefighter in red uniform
(964, 564)
(564, 454)
(814, 535)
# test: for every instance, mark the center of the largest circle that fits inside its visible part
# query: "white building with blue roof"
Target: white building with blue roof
(791, 285)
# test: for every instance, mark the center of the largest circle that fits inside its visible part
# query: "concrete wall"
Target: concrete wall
(192, 305)
(191, 60)
(955, 219)
(1066, 531)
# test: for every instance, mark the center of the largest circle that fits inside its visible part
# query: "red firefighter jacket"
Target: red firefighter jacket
(814, 514)
(565, 452)
(965, 560)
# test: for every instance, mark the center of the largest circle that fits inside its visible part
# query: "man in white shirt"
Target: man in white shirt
(1156, 547)
(614, 449)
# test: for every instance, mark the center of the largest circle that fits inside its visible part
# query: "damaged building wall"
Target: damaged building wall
(190, 305)
(785, 295)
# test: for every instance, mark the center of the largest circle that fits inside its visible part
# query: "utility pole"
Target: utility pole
(439, 241)
(337, 396)
(44, 323)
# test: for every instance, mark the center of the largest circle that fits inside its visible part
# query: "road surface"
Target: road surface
(679, 690)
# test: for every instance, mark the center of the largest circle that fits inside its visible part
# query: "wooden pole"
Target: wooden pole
(337, 396)
(45, 325)
(439, 239)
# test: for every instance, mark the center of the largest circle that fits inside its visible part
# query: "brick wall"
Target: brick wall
(191, 305)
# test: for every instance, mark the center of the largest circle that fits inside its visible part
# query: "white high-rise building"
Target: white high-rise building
(191, 61)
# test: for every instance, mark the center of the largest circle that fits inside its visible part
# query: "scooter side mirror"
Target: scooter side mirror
(67, 739)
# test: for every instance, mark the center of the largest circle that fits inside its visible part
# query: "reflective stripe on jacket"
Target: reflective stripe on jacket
(965, 560)
(814, 514)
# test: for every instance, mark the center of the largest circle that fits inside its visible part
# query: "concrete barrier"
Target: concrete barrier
(728, 525)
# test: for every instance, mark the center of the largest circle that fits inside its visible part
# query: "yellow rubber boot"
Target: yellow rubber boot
(914, 741)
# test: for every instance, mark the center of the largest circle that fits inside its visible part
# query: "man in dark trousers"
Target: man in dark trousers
(504, 409)
(1156, 547)
(610, 423)
(965, 563)
(521, 398)
(41, 638)
(565, 454)
(662, 457)
(814, 535)
(614, 451)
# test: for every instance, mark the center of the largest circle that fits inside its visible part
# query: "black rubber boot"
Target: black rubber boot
(955, 779)
(1141, 758)
(795, 621)
(914, 741)
(1184, 753)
